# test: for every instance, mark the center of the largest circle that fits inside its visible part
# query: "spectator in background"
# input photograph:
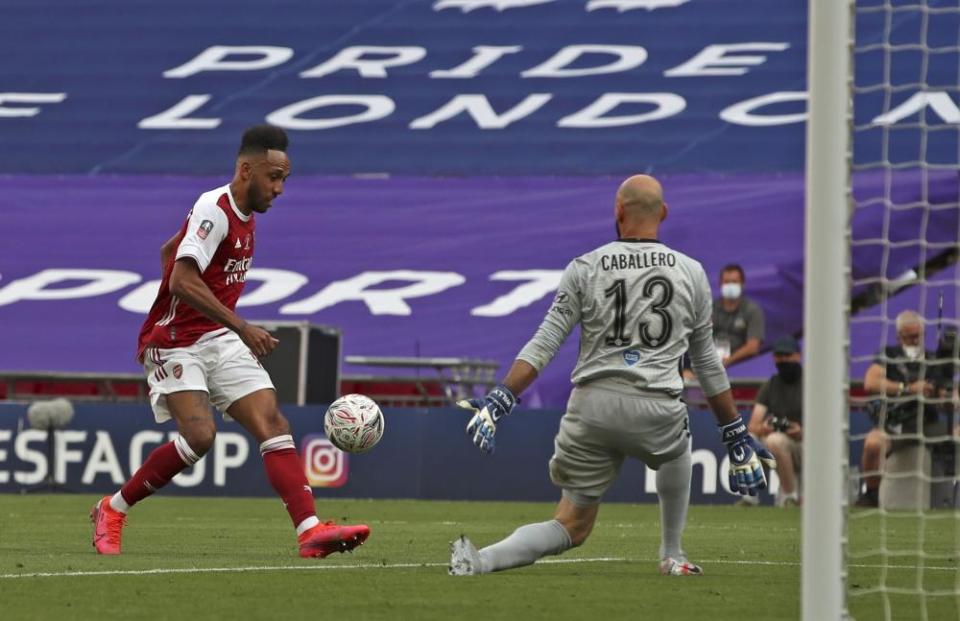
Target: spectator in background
(737, 320)
(777, 420)
(900, 376)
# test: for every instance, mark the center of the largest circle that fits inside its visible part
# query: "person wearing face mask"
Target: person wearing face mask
(900, 376)
(737, 320)
(777, 419)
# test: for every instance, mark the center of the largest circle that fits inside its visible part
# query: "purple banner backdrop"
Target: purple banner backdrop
(476, 259)
(457, 87)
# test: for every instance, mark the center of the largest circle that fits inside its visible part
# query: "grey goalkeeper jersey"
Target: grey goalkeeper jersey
(640, 306)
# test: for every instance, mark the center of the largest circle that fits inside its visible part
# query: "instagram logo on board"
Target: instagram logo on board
(324, 464)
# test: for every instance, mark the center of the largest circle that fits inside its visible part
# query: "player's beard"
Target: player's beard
(257, 200)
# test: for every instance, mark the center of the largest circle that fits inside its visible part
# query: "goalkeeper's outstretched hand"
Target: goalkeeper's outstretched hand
(482, 427)
(746, 455)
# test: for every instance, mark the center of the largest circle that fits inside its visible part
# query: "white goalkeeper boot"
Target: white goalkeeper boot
(464, 558)
(671, 566)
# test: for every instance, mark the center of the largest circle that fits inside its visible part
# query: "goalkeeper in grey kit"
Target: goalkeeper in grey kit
(641, 306)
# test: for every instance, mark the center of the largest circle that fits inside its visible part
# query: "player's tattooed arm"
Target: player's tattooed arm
(186, 284)
(166, 250)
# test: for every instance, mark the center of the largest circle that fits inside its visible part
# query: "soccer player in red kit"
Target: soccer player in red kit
(196, 352)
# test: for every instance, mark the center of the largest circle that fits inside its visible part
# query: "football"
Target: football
(354, 423)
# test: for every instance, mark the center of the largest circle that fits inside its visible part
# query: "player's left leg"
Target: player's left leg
(660, 437)
(673, 491)
(259, 414)
(242, 389)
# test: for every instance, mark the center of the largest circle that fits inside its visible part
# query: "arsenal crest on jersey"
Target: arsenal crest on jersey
(177, 370)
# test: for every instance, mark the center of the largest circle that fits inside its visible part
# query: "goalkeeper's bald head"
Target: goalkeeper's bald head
(639, 207)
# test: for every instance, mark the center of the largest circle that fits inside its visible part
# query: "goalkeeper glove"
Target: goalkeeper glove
(498, 403)
(746, 454)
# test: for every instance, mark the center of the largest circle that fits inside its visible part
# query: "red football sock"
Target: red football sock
(285, 471)
(163, 464)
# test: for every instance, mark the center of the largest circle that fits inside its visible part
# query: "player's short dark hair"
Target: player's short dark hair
(263, 138)
(733, 267)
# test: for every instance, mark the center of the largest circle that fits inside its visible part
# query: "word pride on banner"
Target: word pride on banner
(452, 86)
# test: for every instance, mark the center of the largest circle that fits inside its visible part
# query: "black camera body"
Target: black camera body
(779, 423)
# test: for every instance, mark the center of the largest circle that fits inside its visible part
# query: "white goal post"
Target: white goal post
(826, 291)
(882, 256)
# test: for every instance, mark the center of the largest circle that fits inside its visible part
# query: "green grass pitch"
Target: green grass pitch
(219, 558)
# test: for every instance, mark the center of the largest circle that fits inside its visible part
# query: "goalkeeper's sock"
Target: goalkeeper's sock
(285, 471)
(673, 488)
(526, 545)
(164, 463)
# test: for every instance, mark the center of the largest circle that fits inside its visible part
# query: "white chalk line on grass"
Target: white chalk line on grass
(265, 568)
(254, 568)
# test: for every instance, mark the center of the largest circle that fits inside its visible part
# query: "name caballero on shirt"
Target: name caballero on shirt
(636, 261)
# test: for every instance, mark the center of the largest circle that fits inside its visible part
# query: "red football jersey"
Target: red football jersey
(220, 238)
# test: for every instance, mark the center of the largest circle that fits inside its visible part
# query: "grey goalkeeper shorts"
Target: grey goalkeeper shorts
(602, 427)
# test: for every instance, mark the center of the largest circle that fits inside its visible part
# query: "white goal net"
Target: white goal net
(902, 523)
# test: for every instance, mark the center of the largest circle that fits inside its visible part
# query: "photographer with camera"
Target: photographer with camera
(909, 382)
(778, 416)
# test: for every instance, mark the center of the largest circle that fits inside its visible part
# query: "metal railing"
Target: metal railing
(446, 381)
(433, 382)
(75, 385)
